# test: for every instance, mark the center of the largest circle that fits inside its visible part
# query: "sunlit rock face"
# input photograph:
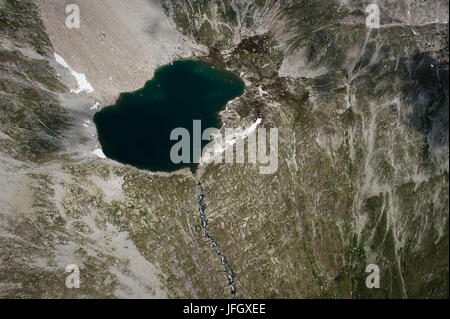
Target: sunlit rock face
(363, 157)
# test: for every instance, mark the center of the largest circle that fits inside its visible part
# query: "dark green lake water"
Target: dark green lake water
(137, 129)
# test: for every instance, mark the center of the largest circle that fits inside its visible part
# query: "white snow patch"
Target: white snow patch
(4, 136)
(83, 84)
(208, 156)
(99, 153)
(261, 92)
(86, 123)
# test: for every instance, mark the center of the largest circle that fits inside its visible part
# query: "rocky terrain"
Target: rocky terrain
(363, 152)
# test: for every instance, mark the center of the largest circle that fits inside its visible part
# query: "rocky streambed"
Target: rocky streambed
(227, 269)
